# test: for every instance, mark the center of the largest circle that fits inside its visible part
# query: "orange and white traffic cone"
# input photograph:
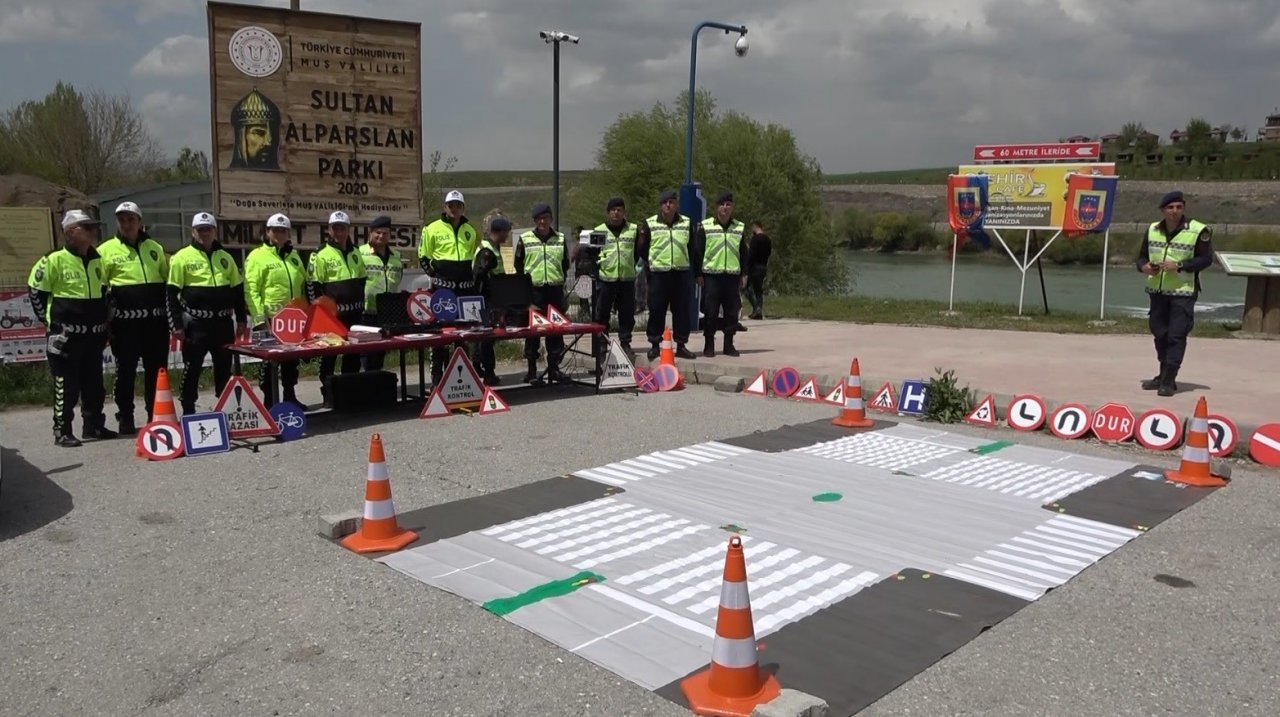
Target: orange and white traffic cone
(854, 413)
(668, 358)
(734, 685)
(1194, 469)
(162, 409)
(379, 531)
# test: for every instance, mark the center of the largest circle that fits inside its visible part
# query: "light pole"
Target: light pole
(556, 37)
(692, 204)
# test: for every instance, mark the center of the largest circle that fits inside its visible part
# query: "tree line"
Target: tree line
(90, 141)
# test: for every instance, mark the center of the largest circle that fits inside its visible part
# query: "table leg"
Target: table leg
(404, 388)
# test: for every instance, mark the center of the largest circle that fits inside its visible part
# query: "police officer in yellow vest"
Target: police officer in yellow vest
(67, 290)
(1172, 256)
(136, 269)
(204, 293)
(663, 239)
(337, 271)
(446, 253)
(615, 286)
(541, 253)
(721, 241)
(274, 276)
(488, 262)
(384, 270)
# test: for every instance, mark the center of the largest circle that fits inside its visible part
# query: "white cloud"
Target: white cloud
(180, 56)
(177, 119)
(31, 23)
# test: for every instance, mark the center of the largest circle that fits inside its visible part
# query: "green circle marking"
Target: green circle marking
(827, 497)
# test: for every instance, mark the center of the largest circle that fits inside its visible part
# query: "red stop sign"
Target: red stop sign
(1114, 422)
(289, 326)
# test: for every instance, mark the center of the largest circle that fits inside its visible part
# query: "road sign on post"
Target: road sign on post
(1114, 423)
(289, 325)
(1043, 152)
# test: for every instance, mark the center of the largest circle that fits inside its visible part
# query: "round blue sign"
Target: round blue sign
(444, 304)
(785, 382)
(291, 419)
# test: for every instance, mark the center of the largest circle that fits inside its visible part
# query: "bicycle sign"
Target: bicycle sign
(291, 419)
(444, 305)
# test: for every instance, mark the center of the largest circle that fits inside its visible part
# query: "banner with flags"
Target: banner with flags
(967, 207)
(1090, 199)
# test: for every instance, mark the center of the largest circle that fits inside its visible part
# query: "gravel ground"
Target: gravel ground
(199, 586)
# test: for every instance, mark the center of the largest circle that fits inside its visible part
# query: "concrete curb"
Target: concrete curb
(729, 384)
(793, 703)
(707, 371)
(337, 526)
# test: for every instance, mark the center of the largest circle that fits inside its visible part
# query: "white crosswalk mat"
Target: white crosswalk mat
(785, 584)
(660, 462)
(1042, 558)
(1039, 483)
(876, 450)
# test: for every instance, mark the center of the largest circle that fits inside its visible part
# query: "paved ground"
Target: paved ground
(199, 586)
(1089, 369)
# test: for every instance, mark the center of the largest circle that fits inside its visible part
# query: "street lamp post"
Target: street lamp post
(555, 37)
(692, 204)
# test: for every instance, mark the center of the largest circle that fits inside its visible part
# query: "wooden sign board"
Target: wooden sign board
(312, 113)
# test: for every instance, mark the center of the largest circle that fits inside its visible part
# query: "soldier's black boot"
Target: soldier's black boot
(1167, 385)
(1153, 383)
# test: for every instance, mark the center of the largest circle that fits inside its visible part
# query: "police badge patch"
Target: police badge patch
(40, 274)
(155, 255)
(224, 262)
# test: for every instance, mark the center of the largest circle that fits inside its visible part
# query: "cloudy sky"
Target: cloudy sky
(864, 86)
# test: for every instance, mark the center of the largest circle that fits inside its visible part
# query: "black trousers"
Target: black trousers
(77, 378)
(350, 362)
(134, 341)
(372, 361)
(668, 290)
(755, 292)
(542, 297)
(721, 304)
(610, 296)
(1171, 319)
(205, 337)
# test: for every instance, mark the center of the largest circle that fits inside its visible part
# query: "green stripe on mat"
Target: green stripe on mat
(555, 588)
(991, 447)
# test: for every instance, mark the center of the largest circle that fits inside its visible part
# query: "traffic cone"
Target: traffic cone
(734, 685)
(854, 413)
(162, 409)
(668, 357)
(1194, 469)
(379, 532)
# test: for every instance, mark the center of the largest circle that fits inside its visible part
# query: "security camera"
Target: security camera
(740, 47)
(557, 36)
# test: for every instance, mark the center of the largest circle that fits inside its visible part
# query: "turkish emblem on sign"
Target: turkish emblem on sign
(1089, 202)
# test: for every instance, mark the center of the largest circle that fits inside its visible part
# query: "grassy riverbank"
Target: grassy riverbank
(974, 315)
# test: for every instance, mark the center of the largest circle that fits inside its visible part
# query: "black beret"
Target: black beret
(667, 196)
(1170, 198)
(500, 224)
(724, 197)
(540, 209)
(382, 222)
(615, 202)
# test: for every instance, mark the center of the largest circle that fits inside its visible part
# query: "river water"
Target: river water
(1069, 288)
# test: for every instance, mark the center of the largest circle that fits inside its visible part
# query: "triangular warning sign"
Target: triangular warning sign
(619, 372)
(555, 317)
(322, 322)
(984, 414)
(808, 391)
(758, 386)
(435, 407)
(492, 403)
(460, 385)
(536, 318)
(885, 400)
(247, 417)
(836, 397)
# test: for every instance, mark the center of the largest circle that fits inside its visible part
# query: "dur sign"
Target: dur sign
(315, 112)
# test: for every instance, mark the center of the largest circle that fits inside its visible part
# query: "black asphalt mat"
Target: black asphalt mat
(1130, 500)
(789, 438)
(862, 648)
(449, 520)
